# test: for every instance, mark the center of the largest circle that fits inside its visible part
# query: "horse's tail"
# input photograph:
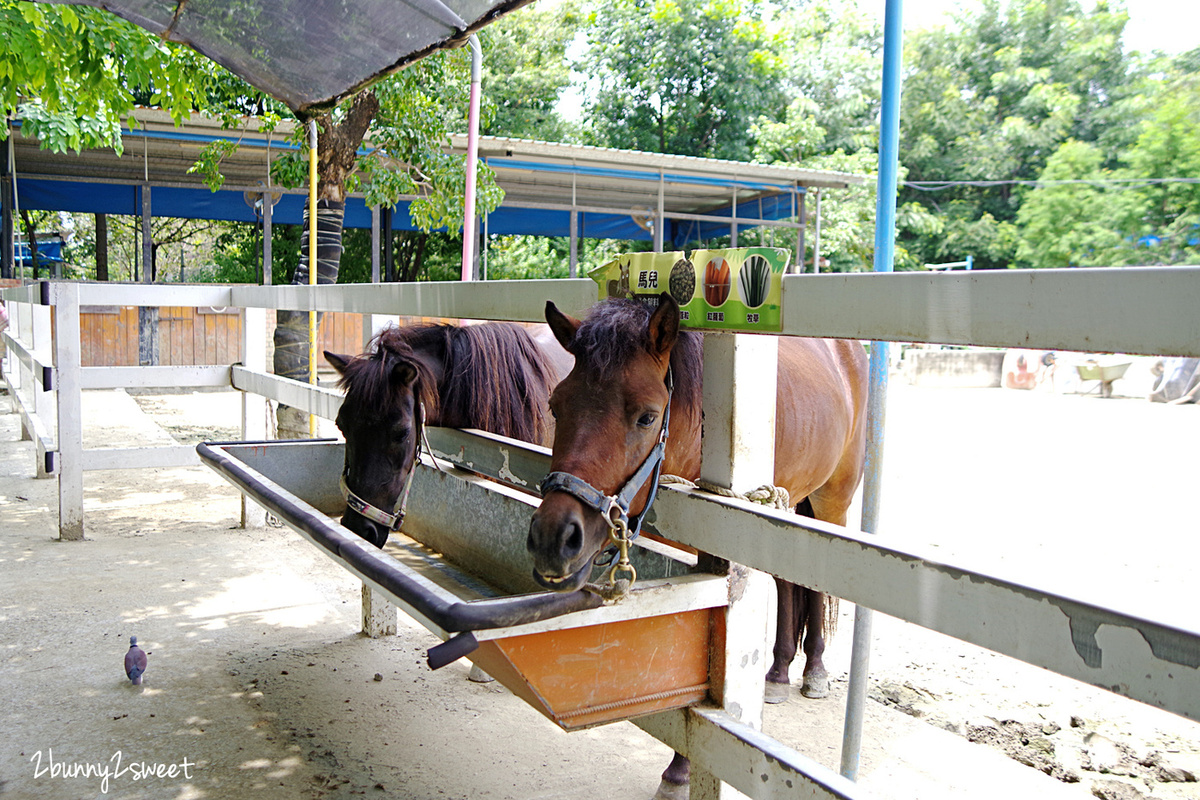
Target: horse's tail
(830, 621)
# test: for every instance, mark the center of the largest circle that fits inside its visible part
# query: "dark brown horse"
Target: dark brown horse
(609, 413)
(493, 376)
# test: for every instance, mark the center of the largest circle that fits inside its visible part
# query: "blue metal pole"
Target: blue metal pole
(885, 254)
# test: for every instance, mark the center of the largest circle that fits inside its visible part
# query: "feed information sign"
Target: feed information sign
(736, 289)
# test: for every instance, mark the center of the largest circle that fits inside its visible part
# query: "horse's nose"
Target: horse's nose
(365, 528)
(555, 540)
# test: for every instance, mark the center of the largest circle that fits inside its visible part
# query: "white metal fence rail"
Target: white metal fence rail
(1132, 310)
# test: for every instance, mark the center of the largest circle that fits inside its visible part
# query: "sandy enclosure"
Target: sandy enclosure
(259, 684)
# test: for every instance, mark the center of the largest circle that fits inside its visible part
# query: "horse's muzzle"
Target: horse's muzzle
(374, 533)
(557, 538)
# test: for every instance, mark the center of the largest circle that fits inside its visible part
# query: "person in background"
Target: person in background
(1046, 369)
(1022, 378)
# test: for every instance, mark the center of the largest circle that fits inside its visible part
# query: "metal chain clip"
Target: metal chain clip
(618, 533)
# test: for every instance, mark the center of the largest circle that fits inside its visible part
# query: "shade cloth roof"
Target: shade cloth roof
(613, 192)
(310, 54)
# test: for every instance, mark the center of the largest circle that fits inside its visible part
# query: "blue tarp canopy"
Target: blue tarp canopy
(611, 193)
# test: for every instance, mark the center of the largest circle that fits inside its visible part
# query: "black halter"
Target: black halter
(615, 508)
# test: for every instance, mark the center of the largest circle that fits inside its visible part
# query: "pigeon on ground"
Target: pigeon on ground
(135, 662)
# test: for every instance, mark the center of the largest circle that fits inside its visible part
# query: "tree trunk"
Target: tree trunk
(101, 247)
(337, 152)
(31, 235)
(291, 327)
(411, 254)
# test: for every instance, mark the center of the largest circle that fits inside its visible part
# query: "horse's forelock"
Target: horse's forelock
(616, 330)
(367, 380)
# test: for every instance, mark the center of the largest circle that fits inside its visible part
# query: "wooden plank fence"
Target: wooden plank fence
(206, 336)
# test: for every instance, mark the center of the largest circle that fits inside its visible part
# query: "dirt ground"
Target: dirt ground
(259, 684)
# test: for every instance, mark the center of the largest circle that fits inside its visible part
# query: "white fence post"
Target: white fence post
(67, 365)
(43, 401)
(18, 319)
(379, 616)
(254, 407)
(738, 453)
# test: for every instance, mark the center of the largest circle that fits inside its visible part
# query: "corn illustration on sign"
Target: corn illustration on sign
(737, 289)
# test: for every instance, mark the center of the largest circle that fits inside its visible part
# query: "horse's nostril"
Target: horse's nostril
(573, 541)
(374, 534)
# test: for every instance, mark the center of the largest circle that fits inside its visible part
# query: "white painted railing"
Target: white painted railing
(1132, 310)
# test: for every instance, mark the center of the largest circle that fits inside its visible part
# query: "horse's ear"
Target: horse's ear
(664, 326)
(404, 374)
(564, 327)
(338, 362)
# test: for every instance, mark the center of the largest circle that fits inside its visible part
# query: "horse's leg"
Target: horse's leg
(675, 777)
(788, 621)
(815, 684)
(810, 622)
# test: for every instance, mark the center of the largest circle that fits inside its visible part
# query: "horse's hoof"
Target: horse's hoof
(815, 686)
(478, 675)
(671, 791)
(776, 692)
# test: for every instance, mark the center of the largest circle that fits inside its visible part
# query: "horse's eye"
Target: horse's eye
(647, 419)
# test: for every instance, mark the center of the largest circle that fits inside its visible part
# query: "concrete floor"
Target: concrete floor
(259, 684)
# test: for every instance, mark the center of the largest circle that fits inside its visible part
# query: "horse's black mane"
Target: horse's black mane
(494, 376)
(616, 329)
(367, 380)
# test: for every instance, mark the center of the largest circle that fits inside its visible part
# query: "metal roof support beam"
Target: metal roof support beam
(389, 257)
(6, 210)
(374, 244)
(798, 263)
(268, 252)
(147, 315)
(470, 226)
(733, 220)
(660, 222)
(574, 267)
(147, 236)
(816, 231)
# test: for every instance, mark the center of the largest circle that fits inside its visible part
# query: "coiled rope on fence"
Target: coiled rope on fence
(767, 495)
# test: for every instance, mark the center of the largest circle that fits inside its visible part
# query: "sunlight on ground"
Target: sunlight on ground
(258, 597)
(125, 500)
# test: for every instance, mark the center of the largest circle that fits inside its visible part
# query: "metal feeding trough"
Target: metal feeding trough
(460, 568)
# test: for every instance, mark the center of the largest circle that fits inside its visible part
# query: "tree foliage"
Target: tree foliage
(1169, 146)
(990, 99)
(75, 73)
(525, 71)
(1000, 106)
(680, 76)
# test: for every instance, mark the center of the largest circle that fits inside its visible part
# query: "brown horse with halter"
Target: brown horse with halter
(493, 376)
(635, 374)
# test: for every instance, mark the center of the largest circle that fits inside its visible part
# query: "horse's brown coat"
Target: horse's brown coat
(609, 412)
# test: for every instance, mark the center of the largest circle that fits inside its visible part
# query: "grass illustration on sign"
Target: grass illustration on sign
(703, 285)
